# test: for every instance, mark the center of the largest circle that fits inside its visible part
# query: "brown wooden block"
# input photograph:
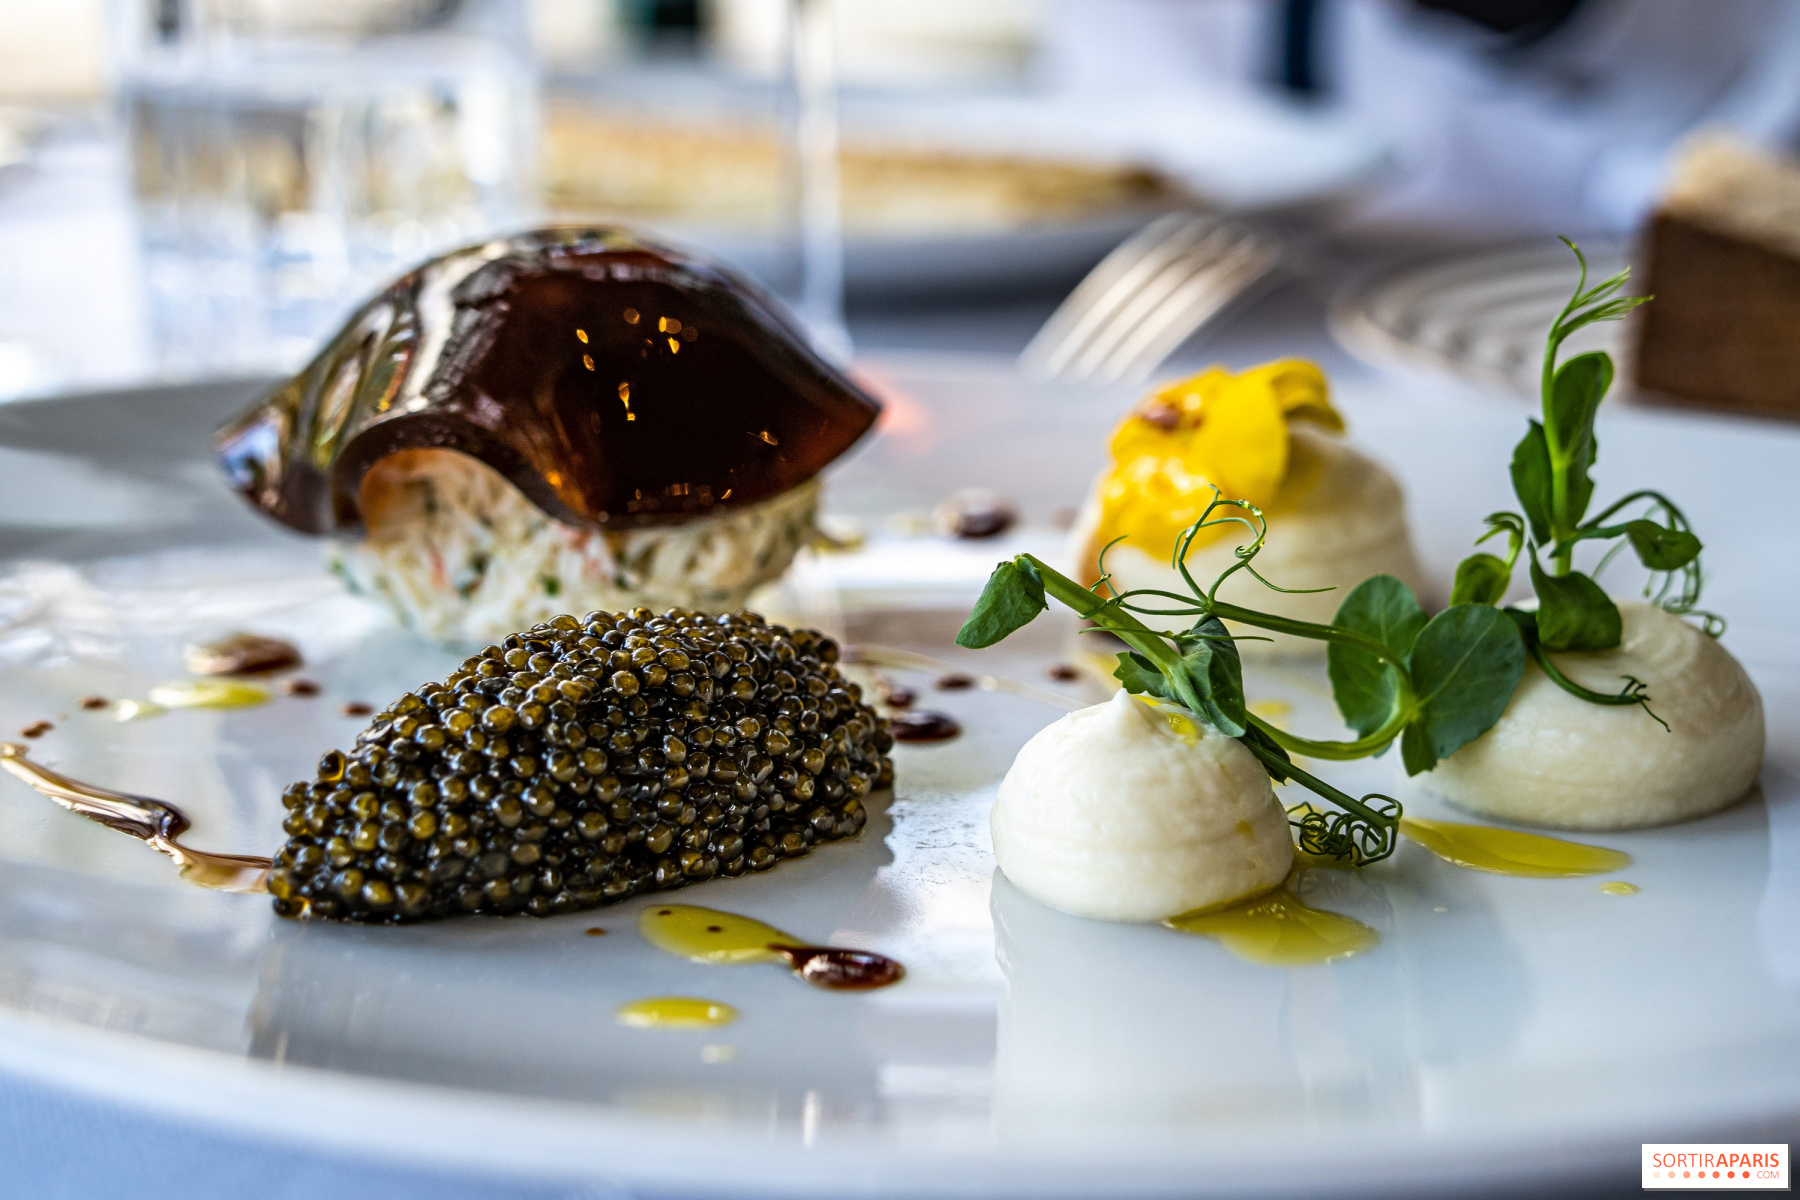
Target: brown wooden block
(1724, 329)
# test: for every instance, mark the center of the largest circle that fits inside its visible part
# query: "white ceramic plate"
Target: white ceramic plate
(1477, 316)
(1506, 1033)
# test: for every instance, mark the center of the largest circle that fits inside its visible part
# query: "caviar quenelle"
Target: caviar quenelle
(584, 761)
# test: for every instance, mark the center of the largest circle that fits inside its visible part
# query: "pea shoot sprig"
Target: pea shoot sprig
(1551, 479)
(1431, 683)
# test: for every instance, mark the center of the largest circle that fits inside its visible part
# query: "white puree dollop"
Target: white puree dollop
(1555, 760)
(1131, 812)
(1340, 519)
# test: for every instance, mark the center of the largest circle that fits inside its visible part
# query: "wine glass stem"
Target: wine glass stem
(818, 222)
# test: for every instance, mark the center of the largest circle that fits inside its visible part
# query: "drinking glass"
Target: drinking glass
(289, 156)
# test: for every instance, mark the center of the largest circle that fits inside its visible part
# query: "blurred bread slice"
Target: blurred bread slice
(1722, 258)
(729, 174)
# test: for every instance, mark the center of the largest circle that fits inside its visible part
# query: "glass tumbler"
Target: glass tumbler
(289, 156)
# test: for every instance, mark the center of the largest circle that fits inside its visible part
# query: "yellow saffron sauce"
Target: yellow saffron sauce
(1618, 887)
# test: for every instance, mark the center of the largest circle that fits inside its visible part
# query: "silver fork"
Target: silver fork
(1146, 297)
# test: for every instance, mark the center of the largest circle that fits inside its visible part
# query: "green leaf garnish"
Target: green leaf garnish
(1384, 609)
(1014, 595)
(1484, 578)
(1574, 613)
(1481, 579)
(1217, 674)
(1531, 477)
(1466, 663)
(1208, 679)
(1576, 390)
(1139, 676)
(1660, 548)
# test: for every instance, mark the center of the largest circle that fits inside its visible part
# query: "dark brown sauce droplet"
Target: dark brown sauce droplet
(300, 687)
(922, 726)
(93, 702)
(841, 970)
(1164, 416)
(36, 729)
(152, 821)
(356, 708)
(976, 513)
(899, 697)
(596, 931)
(955, 682)
(242, 654)
(1063, 672)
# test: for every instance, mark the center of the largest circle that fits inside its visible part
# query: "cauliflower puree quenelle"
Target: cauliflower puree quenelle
(1133, 811)
(1267, 436)
(1556, 760)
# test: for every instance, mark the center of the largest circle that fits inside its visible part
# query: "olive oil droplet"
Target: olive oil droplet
(709, 936)
(675, 1012)
(1278, 929)
(1618, 887)
(1178, 724)
(137, 710)
(209, 693)
(1510, 851)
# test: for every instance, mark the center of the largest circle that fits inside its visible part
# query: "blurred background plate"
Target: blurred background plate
(977, 193)
(1479, 316)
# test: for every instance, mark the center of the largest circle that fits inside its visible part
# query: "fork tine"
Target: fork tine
(1131, 311)
(1115, 289)
(1197, 301)
(1109, 284)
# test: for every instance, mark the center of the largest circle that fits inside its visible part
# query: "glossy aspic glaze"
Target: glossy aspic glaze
(615, 381)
